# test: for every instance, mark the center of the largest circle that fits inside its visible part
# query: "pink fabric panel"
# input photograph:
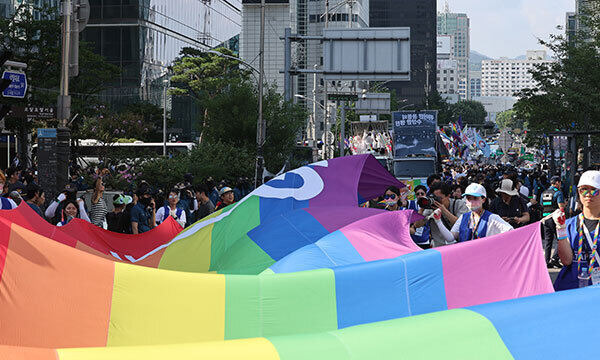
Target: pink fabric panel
(500, 267)
(383, 236)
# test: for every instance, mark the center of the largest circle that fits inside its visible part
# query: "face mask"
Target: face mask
(474, 205)
(391, 202)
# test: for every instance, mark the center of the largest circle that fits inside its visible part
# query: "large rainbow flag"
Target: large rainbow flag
(334, 281)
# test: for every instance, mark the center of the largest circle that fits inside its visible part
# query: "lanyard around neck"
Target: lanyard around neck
(583, 231)
(475, 234)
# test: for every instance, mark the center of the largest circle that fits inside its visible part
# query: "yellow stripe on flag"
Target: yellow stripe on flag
(152, 306)
(247, 349)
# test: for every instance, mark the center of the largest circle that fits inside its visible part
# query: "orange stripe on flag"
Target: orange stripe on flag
(52, 295)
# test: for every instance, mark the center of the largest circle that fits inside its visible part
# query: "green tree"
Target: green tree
(509, 119)
(567, 92)
(469, 111)
(230, 102)
(436, 102)
(205, 76)
(33, 35)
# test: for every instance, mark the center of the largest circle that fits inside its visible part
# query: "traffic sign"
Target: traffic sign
(342, 97)
(18, 86)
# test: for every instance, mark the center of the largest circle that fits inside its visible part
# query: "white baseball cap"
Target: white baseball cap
(475, 190)
(590, 178)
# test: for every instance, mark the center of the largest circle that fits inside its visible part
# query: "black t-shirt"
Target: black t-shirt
(515, 208)
(587, 251)
(118, 222)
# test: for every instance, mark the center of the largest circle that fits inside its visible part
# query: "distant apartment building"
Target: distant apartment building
(505, 77)
(474, 84)
(457, 25)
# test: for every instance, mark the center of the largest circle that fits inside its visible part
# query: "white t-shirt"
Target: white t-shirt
(495, 226)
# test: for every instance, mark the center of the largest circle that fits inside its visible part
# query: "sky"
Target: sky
(510, 27)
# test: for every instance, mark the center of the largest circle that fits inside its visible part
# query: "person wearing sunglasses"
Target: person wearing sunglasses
(396, 199)
(171, 209)
(420, 231)
(578, 237)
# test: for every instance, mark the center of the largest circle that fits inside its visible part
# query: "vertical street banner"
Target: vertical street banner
(414, 133)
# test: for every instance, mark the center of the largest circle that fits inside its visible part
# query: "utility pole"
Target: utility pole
(260, 129)
(313, 129)
(166, 83)
(325, 95)
(427, 68)
(342, 128)
(64, 100)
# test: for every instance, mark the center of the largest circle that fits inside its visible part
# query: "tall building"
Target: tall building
(143, 37)
(457, 26)
(304, 17)
(420, 16)
(506, 77)
(474, 84)
(570, 26)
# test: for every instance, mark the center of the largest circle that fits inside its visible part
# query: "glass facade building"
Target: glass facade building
(421, 17)
(143, 37)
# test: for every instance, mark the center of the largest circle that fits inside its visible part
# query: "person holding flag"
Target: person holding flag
(578, 237)
(475, 224)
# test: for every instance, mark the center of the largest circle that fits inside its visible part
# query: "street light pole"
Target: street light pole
(166, 83)
(64, 100)
(260, 128)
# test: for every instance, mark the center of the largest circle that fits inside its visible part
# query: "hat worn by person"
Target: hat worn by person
(506, 187)
(476, 190)
(590, 178)
(224, 190)
(122, 200)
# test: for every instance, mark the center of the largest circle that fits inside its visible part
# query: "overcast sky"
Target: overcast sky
(510, 27)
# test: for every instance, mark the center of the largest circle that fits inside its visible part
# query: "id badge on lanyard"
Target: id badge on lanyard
(596, 269)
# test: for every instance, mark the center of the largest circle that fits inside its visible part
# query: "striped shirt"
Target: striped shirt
(98, 212)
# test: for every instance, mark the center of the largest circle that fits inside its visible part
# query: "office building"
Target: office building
(420, 16)
(144, 37)
(304, 17)
(447, 76)
(474, 84)
(506, 77)
(457, 26)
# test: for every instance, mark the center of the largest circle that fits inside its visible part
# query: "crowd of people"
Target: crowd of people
(464, 203)
(132, 212)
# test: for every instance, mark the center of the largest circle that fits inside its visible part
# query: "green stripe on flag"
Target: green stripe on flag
(281, 304)
(231, 228)
(244, 257)
(454, 334)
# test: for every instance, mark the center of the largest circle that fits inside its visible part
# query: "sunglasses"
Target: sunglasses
(393, 196)
(589, 193)
(420, 194)
(172, 196)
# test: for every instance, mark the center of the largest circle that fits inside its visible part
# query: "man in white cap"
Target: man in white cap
(478, 222)
(578, 237)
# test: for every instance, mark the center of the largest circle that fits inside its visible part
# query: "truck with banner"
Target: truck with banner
(415, 145)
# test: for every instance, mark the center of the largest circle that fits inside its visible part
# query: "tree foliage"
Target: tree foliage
(509, 119)
(469, 111)
(33, 35)
(229, 98)
(567, 92)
